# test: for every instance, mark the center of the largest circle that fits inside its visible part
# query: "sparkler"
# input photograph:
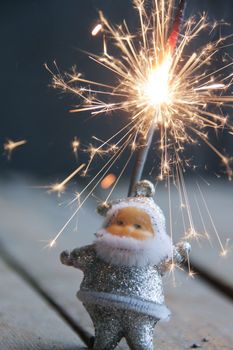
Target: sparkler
(159, 85)
(165, 89)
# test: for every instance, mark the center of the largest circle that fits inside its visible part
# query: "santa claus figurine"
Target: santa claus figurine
(122, 285)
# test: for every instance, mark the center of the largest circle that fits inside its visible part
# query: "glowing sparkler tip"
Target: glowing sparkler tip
(75, 144)
(172, 267)
(211, 87)
(11, 145)
(57, 187)
(156, 88)
(226, 248)
(224, 252)
(98, 28)
(60, 187)
(191, 233)
(52, 243)
(191, 274)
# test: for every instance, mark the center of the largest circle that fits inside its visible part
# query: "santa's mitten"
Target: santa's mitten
(182, 251)
(65, 258)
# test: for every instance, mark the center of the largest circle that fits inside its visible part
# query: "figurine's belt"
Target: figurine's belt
(158, 311)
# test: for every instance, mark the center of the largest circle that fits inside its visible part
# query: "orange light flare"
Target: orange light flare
(108, 181)
(11, 145)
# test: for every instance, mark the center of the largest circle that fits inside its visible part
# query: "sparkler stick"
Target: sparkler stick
(172, 40)
(145, 144)
(141, 156)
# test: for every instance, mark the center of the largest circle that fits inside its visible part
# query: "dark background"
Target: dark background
(36, 32)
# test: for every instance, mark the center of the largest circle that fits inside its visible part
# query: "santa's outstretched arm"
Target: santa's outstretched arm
(79, 257)
(180, 255)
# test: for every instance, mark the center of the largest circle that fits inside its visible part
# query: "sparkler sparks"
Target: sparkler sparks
(98, 28)
(60, 186)
(75, 146)
(162, 85)
(11, 145)
(159, 85)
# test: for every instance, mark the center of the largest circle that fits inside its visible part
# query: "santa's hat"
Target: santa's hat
(143, 199)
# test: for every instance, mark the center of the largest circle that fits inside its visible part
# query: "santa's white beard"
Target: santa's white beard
(129, 251)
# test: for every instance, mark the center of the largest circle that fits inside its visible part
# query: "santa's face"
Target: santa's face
(131, 222)
(128, 238)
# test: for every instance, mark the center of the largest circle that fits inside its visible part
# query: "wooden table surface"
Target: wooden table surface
(38, 307)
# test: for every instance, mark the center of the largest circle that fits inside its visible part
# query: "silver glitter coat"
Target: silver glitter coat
(137, 289)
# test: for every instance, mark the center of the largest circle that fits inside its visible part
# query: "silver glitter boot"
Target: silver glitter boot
(112, 324)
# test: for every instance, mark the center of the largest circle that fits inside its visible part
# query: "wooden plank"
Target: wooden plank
(198, 311)
(35, 206)
(27, 322)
